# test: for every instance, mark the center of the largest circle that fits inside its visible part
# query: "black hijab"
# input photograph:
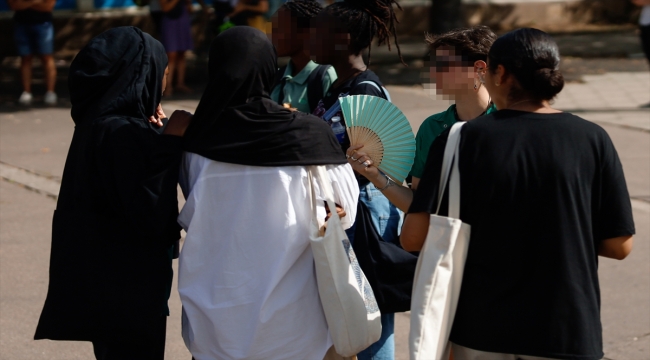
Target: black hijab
(118, 73)
(236, 120)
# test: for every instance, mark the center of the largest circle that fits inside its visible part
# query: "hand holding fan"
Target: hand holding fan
(384, 132)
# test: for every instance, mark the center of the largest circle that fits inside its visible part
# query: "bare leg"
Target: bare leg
(50, 72)
(26, 72)
(171, 56)
(180, 73)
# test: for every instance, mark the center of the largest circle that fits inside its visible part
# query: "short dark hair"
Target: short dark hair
(533, 58)
(473, 43)
(303, 11)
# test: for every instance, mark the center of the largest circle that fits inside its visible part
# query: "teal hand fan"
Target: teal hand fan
(384, 132)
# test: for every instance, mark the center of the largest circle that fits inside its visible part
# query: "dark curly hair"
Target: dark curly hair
(366, 19)
(303, 10)
(473, 43)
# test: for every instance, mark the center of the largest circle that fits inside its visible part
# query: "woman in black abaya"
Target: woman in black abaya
(115, 227)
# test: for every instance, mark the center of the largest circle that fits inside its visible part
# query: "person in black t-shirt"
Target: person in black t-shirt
(34, 35)
(338, 36)
(545, 195)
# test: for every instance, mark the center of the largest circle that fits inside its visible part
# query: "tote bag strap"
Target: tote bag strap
(326, 187)
(451, 149)
(313, 201)
(320, 174)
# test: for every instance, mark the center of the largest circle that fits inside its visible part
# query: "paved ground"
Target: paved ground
(37, 139)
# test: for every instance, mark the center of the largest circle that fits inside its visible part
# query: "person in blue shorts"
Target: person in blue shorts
(34, 35)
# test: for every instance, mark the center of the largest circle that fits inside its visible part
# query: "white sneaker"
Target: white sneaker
(50, 98)
(25, 98)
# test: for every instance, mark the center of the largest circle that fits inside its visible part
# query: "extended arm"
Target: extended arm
(44, 5)
(261, 7)
(616, 248)
(17, 5)
(397, 194)
(641, 2)
(414, 231)
(168, 5)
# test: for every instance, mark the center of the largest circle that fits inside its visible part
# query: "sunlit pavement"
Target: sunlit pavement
(34, 144)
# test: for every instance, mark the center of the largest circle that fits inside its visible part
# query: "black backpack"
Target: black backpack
(314, 85)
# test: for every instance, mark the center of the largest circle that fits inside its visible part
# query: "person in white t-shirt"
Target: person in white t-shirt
(644, 25)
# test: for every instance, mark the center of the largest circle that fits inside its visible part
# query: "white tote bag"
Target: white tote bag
(439, 271)
(349, 304)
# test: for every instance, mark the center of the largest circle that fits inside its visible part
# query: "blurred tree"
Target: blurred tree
(444, 15)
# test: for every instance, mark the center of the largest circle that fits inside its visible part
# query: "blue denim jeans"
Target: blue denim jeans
(34, 38)
(387, 219)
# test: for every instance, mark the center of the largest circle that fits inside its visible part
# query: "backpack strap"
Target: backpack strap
(337, 106)
(315, 85)
(380, 88)
(279, 81)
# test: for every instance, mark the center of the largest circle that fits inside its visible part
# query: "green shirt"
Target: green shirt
(433, 126)
(295, 88)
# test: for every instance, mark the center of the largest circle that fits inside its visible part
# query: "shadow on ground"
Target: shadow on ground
(387, 66)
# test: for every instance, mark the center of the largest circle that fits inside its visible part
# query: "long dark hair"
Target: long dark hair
(366, 19)
(533, 58)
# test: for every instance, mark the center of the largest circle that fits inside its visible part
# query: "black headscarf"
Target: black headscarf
(236, 120)
(118, 73)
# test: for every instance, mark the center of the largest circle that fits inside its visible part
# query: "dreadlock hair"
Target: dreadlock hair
(303, 11)
(366, 19)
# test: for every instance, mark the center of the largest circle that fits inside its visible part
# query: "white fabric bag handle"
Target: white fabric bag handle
(451, 157)
(326, 189)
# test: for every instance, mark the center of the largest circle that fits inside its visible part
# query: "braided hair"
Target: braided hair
(366, 19)
(303, 11)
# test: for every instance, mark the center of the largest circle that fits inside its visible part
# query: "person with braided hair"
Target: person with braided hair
(339, 36)
(302, 83)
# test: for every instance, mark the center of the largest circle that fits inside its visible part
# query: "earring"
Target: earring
(476, 85)
(497, 84)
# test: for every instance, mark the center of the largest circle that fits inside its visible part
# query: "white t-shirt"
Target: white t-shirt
(246, 270)
(644, 19)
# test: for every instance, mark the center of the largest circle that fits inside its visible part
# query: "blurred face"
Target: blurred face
(452, 75)
(328, 39)
(285, 36)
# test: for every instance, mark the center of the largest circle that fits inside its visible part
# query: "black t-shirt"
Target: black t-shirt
(540, 192)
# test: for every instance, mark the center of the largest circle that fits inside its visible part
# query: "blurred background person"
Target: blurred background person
(250, 13)
(644, 30)
(221, 10)
(176, 37)
(34, 35)
(545, 195)
(644, 25)
(302, 83)
(156, 13)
